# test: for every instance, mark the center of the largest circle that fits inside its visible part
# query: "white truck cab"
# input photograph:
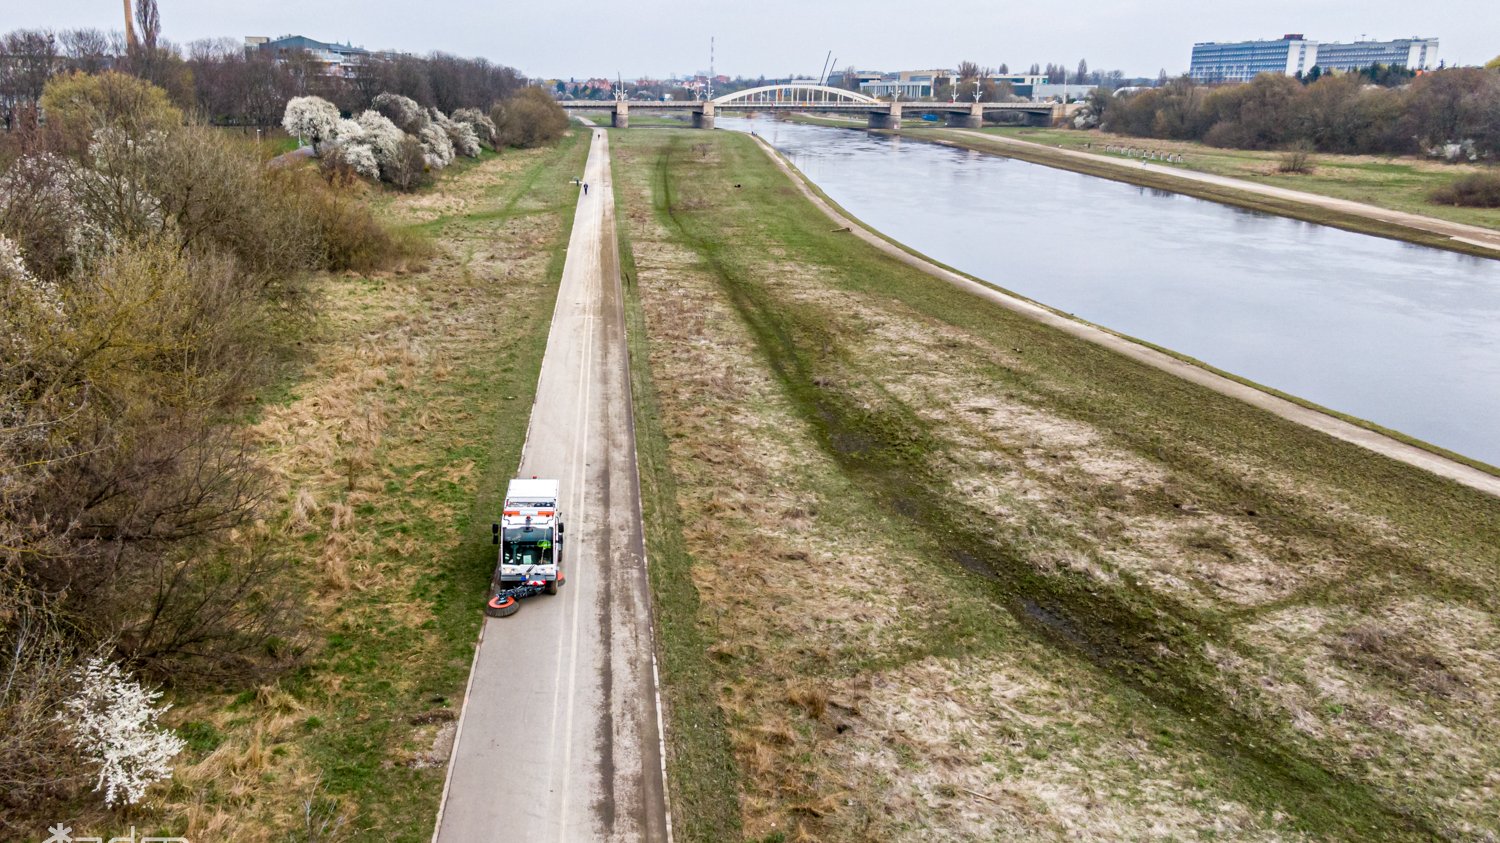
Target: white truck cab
(530, 535)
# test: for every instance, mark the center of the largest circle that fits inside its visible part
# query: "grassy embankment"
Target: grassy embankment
(1295, 399)
(956, 571)
(1401, 183)
(389, 450)
(646, 120)
(269, 141)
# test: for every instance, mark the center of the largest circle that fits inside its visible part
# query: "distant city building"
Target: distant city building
(925, 84)
(335, 59)
(844, 78)
(1241, 61)
(909, 84)
(1410, 53)
(1023, 85)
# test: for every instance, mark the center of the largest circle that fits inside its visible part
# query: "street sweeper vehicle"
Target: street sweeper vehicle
(530, 538)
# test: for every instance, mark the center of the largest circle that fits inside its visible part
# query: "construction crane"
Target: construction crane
(129, 28)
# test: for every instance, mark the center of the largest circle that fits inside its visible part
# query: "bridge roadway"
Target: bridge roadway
(809, 97)
(559, 737)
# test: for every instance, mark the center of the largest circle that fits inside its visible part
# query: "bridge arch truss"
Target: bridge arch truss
(794, 93)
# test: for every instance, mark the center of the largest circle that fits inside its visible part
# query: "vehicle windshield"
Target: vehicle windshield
(527, 546)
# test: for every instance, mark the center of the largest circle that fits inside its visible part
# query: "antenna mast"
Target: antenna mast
(710, 67)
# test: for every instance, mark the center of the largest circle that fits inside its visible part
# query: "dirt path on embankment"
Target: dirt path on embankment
(1331, 425)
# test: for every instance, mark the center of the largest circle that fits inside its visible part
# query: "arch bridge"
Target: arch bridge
(806, 96)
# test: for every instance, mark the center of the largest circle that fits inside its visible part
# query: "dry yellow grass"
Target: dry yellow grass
(872, 690)
(842, 728)
(373, 410)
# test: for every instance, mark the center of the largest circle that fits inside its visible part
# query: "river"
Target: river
(1402, 335)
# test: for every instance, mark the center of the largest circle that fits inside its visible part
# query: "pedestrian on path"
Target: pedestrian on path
(585, 188)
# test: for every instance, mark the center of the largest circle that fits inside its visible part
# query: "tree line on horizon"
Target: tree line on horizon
(1453, 112)
(226, 84)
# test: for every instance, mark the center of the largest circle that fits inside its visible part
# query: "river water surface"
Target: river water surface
(1403, 335)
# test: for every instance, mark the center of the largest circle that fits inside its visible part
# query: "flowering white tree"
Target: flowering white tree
(312, 118)
(483, 126)
(438, 148)
(362, 158)
(113, 720)
(348, 131)
(382, 136)
(403, 111)
(351, 144)
(460, 134)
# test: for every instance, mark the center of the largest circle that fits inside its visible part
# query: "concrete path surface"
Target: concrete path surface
(1331, 425)
(559, 738)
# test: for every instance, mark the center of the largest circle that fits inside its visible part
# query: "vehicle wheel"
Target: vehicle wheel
(502, 607)
(554, 585)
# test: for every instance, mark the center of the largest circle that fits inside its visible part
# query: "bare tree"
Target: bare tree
(31, 60)
(86, 50)
(967, 80)
(147, 23)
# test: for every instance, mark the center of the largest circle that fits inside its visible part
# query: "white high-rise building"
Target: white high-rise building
(1410, 53)
(1241, 61)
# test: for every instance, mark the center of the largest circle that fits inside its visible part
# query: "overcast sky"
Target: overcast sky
(583, 38)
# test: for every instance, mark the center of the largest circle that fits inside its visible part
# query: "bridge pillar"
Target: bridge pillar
(703, 118)
(890, 119)
(620, 117)
(974, 119)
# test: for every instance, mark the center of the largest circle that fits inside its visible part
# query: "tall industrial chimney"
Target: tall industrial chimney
(129, 27)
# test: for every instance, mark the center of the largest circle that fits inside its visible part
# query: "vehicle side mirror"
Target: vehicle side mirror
(561, 528)
(494, 533)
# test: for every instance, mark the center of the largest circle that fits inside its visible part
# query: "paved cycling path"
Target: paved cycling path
(559, 739)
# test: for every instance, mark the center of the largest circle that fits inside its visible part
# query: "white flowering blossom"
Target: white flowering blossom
(30, 310)
(117, 188)
(16, 280)
(114, 724)
(459, 133)
(350, 138)
(312, 118)
(32, 314)
(24, 296)
(438, 148)
(12, 267)
(44, 186)
(382, 136)
(483, 126)
(362, 158)
(348, 131)
(403, 111)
